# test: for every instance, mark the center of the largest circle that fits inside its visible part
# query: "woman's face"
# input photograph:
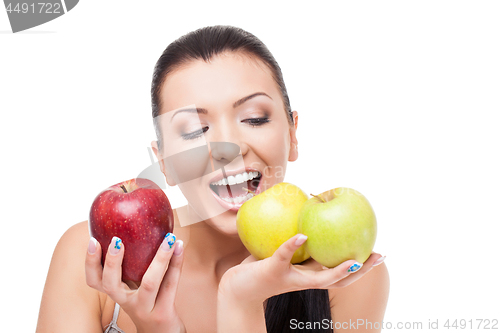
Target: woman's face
(221, 118)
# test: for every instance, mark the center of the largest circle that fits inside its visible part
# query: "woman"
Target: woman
(217, 89)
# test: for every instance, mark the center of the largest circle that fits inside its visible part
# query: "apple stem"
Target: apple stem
(319, 197)
(123, 188)
(250, 191)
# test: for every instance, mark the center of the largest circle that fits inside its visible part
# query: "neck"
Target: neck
(209, 247)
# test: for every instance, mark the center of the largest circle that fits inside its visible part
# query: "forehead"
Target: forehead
(218, 82)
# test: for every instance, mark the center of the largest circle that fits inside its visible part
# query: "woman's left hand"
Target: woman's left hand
(254, 281)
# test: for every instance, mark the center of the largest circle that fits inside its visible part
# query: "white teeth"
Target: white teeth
(231, 180)
(238, 200)
(237, 179)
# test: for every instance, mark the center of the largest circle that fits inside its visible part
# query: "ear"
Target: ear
(161, 162)
(294, 151)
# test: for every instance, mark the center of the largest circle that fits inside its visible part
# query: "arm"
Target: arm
(68, 304)
(361, 303)
(236, 316)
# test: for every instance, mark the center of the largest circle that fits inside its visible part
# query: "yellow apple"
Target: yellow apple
(269, 219)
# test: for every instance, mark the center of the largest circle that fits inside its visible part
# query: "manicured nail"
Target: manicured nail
(92, 245)
(354, 267)
(168, 242)
(116, 245)
(179, 248)
(379, 261)
(300, 240)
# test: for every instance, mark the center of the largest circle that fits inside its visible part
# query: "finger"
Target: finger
(168, 288)
(353, 276)
(280, 259)
(148, 291)
(320, 279)
(93, 266)
(339, 276)
(379, 261)
(112, 272)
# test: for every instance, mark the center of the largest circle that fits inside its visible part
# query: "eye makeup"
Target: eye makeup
(256, 121)
(195, 134)
(254, 118)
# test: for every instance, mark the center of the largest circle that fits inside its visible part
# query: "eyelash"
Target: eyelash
(251, 121)
(195, 134)
(257, 121)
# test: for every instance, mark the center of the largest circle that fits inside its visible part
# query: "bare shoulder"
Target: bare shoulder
(365, 298)
(76, 234)
(66, 296)
(71, 249)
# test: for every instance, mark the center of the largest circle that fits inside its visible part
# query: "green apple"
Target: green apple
(270, 218)
(340, 225)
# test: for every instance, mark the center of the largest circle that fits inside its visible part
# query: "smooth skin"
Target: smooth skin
(211, 283)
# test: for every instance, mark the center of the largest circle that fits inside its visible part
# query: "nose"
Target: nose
(226, 143)
(224, 150)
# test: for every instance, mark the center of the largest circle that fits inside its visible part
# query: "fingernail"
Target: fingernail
(116, 245)
(354, 267)
(379, 261)
(300, 240)
(168, 242)
(179, 248)
(92, 245)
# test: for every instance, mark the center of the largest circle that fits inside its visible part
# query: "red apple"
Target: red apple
(138, 212)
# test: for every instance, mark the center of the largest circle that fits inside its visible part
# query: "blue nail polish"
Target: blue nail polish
(170, 238)
(354, 267)
(118, 243)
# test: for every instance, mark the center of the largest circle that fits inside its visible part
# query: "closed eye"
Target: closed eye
(195, 134)
(256, 121)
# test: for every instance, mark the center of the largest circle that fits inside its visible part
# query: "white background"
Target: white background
(399, 100)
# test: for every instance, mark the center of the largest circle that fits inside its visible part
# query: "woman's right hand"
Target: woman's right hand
(151, 306)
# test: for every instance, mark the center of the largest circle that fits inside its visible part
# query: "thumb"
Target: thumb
(283, 255)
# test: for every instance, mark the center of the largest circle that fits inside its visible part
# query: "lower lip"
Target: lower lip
(234, 207)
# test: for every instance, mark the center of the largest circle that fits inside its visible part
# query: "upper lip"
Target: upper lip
(232, 173)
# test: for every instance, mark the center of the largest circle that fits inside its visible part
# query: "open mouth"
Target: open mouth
(232, 189)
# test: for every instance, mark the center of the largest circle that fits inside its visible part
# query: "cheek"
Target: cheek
(189, 164)
(273, 152)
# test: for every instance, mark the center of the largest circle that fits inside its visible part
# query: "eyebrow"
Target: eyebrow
(244, 99)
(191, 110)
(235, 104)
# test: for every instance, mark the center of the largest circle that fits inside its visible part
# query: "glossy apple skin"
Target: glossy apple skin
(269, 219)
(141, 218)
(341, 229)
